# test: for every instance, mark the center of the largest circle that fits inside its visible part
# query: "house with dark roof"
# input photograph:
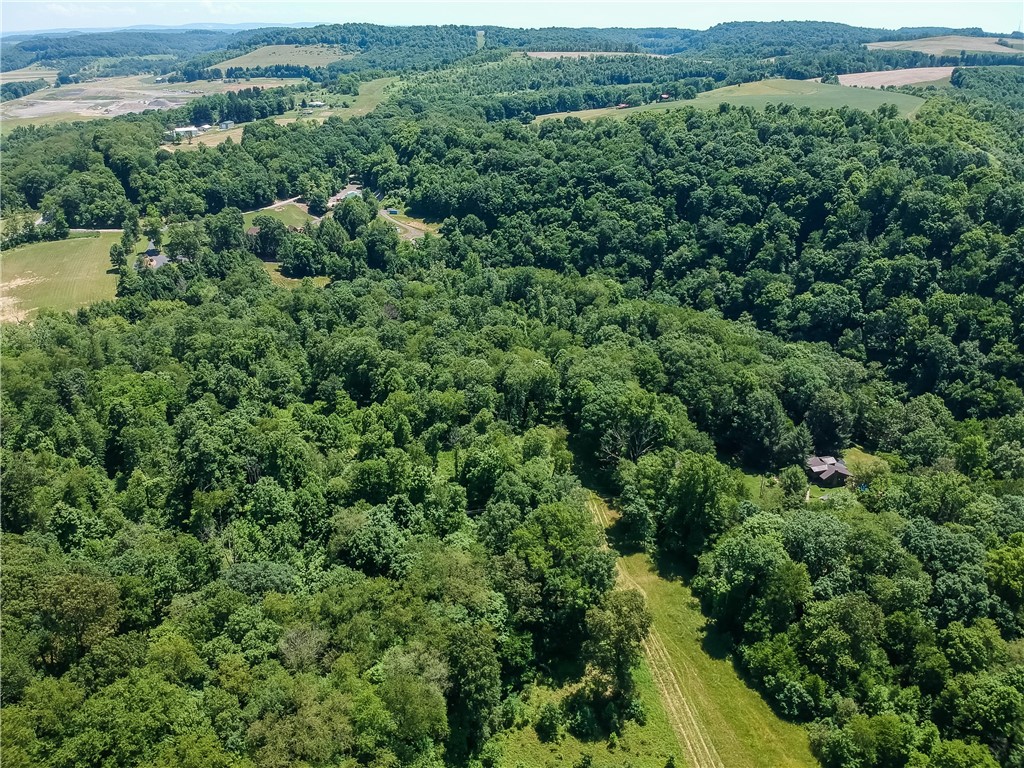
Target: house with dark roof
(827, 471)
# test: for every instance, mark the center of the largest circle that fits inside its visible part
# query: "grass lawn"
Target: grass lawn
(798, 93)
(63, 275)
(290, 214)
(299, 55)
(274, 270)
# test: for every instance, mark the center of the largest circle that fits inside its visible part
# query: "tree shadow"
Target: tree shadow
(718, 645)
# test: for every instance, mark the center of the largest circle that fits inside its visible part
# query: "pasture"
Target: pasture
(796, 93)
(949, 45)
(895, 77)
(298, 55)
(62, 275)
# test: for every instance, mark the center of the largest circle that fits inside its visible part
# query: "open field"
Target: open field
(63, 275)
(28, 73)
(111, 96)
(274, 270)
(582, 54)
(371, 93)
(917, 76)
(949, 45)
(299, 55)
(798, 93)
(289, 213)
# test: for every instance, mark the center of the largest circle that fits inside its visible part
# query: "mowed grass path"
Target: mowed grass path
(63, 275)
(797, 93)
(719, 721)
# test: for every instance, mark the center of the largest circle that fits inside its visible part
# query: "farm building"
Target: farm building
(227, 125)
(317, 104)
(187, 132)
(827, 471)
(205, 128)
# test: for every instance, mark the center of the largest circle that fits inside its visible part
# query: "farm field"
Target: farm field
(798, 93)
(28, 73)
(299, 55)
(949, 45)
(63, 275)
(111, 96)
(371, 93)
(915, 76)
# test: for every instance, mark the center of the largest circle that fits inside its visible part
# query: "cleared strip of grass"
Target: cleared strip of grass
(731, 724)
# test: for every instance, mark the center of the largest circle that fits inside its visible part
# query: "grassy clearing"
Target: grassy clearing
(949, 45)
(274, 270)
(62, 275)
(299, 55)
(582, 54)
(289, 214)
(720, 721)
(698, 709)
(797, 93)
(641, 746)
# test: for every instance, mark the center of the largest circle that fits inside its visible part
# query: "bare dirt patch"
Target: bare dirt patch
(897, 77)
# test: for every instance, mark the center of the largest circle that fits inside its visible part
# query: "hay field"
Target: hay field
(32, 72)
(63, 275)
(948, 45)
(917, 76)
(797, 93)
(299, 55)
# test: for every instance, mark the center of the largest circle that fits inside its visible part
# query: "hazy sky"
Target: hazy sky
(994, 15)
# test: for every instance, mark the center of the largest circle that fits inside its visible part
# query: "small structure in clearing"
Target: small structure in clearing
(827, 471)
(227, 125)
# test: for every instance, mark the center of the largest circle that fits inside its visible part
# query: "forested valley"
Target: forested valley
(249, 525)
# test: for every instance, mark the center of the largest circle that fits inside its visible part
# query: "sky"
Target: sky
(992, 15)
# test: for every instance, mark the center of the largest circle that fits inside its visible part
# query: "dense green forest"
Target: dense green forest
(245, 525)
